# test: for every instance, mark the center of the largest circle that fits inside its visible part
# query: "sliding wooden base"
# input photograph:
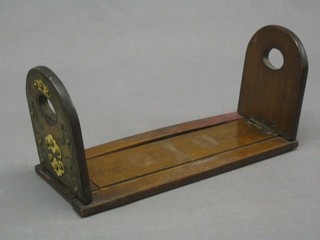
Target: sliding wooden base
(126, 170)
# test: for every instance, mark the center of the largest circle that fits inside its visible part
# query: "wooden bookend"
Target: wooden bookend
(123, 171)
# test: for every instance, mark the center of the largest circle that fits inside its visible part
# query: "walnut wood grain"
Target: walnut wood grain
(144, 186)
(157, 155)
(161, 133)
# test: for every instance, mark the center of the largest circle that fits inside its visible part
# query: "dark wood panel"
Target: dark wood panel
(57, 132)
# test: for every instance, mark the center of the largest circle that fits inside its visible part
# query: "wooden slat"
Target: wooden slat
(161, 133)
(130, 163)
(128, 191)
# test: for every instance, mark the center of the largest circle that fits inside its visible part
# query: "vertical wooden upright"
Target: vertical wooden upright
(58, 135)
(269, 95)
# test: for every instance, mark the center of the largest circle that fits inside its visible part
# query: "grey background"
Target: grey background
(133, 66)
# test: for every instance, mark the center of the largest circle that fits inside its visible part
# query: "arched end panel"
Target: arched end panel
(57, 132)
(270, 95)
